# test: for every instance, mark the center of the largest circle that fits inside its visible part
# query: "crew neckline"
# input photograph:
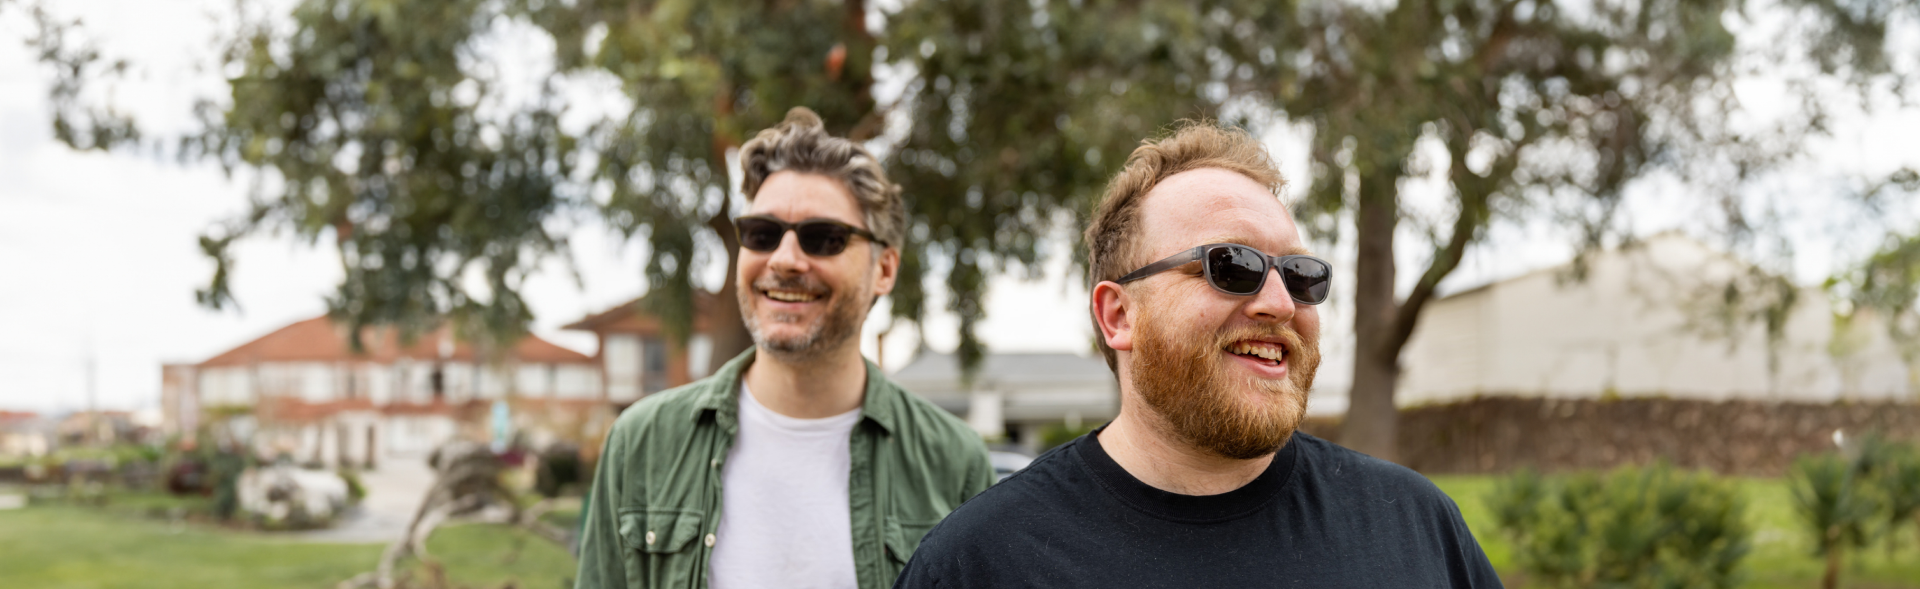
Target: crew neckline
(750, 408)
(1235, 504)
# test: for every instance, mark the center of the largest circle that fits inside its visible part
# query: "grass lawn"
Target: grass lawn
(89, 547)
(1781, 556)
(122, 545)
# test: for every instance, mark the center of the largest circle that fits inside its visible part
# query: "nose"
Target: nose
(1273, 303)
(788, 259)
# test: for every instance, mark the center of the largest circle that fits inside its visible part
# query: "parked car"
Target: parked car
(1007, 463)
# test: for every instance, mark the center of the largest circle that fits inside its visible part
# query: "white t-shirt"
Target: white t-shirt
(783, 512)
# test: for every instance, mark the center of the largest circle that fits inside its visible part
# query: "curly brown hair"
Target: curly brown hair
(801, 144)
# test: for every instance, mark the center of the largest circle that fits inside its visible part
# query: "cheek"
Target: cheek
(751, 265)
(1306, 321)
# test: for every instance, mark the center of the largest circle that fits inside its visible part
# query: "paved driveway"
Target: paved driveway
(394, 492)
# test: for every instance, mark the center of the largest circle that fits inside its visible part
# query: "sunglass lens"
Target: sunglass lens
(1238, 270)
(1307, 279)
(759, 235)
(823, 239)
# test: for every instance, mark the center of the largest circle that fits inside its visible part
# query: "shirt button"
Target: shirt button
(709, 540)
(649, 537)
(716, 463)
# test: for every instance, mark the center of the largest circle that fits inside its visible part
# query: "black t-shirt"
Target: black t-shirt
(1320, 516)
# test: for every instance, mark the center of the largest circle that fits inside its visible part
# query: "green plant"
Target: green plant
(1641, 528)
(1838, 509)
(355, 489)
(1893, 470)
(1056, 434)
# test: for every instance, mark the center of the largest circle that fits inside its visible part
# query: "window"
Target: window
(621, 353)
(655, 374)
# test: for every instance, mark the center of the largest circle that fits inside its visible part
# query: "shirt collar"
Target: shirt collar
(722, 395)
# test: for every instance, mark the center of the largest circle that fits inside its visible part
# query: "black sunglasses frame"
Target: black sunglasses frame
(800, 230)
(1199, 254)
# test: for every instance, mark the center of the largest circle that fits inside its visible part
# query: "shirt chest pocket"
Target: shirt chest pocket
(902, 538)
(662, 547)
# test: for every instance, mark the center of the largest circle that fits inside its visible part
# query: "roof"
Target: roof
(1669, 236)
(1015, 367)
(632, 315)
(321, 340)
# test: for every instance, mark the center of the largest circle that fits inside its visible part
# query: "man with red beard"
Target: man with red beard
(798, 464)
(1204, 300)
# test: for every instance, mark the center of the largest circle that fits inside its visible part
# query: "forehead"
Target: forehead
(798, 196)
(1212, 205)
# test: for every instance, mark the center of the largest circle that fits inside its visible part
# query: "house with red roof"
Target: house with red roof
(303, 392)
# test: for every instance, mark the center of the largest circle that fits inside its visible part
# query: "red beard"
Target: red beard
(1188, 382)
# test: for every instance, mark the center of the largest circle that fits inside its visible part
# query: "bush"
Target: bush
(559, 469)
(1635, 528)
(355, 489)
(1056, 434)
(1846, 500)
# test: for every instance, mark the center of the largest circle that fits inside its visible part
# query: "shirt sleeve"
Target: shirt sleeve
(1472, 568)
(979, 473)
(600, 564)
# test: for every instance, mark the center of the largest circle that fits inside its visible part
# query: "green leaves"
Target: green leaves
(1648, 527)
(1847, 499)
(367, 120)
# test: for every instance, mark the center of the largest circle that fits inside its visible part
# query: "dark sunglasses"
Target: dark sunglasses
(818, 237)
(1240, 270)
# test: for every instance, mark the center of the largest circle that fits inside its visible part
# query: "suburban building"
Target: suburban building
(638, 356)
(1648, 320)
(302, 392)
(27, 434)
(1016, 395)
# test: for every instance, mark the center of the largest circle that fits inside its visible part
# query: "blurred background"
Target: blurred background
(347, 292)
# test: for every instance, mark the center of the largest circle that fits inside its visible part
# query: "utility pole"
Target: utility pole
(93, 395)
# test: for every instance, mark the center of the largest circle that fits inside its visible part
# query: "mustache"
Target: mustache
(1287, 336)
(801, 282)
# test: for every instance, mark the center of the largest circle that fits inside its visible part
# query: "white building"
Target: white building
(302, 392)
(1642, 324)
(1016, 395)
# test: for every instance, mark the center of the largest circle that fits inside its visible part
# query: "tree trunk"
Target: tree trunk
(1831, 580)
(726, 327)
(1372, 422)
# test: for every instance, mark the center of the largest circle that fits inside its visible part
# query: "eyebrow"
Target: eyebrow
(1291, 251)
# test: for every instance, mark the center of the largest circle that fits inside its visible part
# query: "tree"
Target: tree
(1011, 118)
(1535, 107)
(1011, 115)
(1002, 118)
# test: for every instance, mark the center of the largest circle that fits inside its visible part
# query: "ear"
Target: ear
(1113, 311)
(889, 271)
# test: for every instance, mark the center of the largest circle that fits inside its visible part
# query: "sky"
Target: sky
(99, 260)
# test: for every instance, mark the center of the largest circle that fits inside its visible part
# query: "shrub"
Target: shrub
(1838, 509)
(1640, 528)
(355, 489)
(1056, 434)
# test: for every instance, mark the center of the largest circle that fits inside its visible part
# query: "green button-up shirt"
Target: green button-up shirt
(655, 505)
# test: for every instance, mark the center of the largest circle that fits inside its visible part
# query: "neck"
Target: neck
(823, 386)
(1143, 444)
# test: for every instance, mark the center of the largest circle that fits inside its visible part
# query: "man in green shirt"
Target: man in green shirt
(798, 464)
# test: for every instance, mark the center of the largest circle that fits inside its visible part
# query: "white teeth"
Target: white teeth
(1262, 350)
(790, 296)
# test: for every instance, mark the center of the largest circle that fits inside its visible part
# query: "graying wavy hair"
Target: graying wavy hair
(801, 144)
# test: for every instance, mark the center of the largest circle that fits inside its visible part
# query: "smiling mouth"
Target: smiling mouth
(790, 296)
(1268, 352)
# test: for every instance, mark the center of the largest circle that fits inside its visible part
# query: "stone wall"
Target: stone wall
(1499, 434)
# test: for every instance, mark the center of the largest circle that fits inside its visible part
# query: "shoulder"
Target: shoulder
(1341, 472)
(919, 421)
(663, 412)
(1028, 497)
